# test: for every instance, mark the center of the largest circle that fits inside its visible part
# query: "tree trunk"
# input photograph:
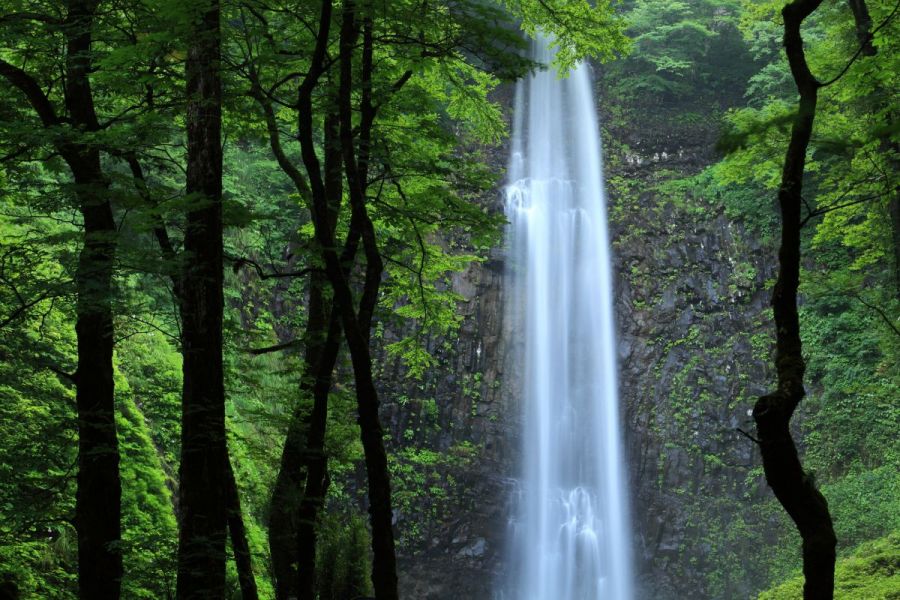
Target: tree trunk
(384, 576)
(793, 488)
(288, 492)
(295, 507)
(316, 465)
(892, 150)
(98, 505)
(239, 544)
(315, 459)
(202, 473)
(357, 325)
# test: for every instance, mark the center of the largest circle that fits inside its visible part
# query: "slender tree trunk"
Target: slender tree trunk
(288, 491)
(863, 25)
(316, 465)
(202, 474)
(795, 490)
(894, 213)
(315, 459)
(892, 150)
(384, 575)
(295, 507)
(98, 504)
(239, 543)
(99, 490)
(357, 325)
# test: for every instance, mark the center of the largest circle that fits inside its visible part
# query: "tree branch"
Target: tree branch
(31, 16)
(33, 92)
(241, 261)
(274, 348)
(866, 45)
(881, 313)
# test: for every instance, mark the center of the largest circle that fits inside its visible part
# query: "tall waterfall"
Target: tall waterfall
(570, 538)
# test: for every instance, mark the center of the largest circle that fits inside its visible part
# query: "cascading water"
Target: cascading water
(570, 538)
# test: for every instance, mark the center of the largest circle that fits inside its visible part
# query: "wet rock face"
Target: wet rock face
(688, 374)
(694, 337)
(458, 551)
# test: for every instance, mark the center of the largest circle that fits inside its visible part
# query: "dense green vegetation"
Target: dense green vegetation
(432, 78)
(870, 572)
(847, 424)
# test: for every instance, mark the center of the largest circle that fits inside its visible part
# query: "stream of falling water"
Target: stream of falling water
(570, 537)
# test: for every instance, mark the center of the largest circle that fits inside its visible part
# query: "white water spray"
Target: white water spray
(570, 534)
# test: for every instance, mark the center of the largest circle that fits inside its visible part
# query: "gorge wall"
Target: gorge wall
(694, 336)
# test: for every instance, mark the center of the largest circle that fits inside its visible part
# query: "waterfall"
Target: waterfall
(570, 531)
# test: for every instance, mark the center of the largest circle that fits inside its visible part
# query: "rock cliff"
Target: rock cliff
(694, 337)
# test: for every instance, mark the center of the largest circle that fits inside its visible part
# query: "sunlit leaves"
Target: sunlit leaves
(579, 29)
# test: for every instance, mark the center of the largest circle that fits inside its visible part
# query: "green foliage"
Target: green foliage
(424, 488)
(430, 197)
(149, 529)
(342, 560)
(683, 51)
(871, 573)
(580, 29)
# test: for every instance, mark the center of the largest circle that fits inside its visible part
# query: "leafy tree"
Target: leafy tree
(794, 487)
(70, 120)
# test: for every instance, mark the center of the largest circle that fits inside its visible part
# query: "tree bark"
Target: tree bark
(894, 213)
(288, 492)
(356, 325)
(295, 504)
(316, 465)
(863, 25)
(794, 489)
(98, 505)
(202, 473)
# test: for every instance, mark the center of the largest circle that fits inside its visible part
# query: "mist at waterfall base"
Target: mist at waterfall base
(570, 532)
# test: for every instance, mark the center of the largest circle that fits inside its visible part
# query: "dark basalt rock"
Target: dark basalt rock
(686, 372)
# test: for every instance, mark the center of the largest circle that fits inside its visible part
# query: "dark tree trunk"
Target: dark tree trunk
(892, 150)
(357, 325)
(98, 504)
(794, 489)
(239, 544)
(323, 359)
(863, 26)
(295, 506)
(202, 473)
(316, 464)
(288, 493)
